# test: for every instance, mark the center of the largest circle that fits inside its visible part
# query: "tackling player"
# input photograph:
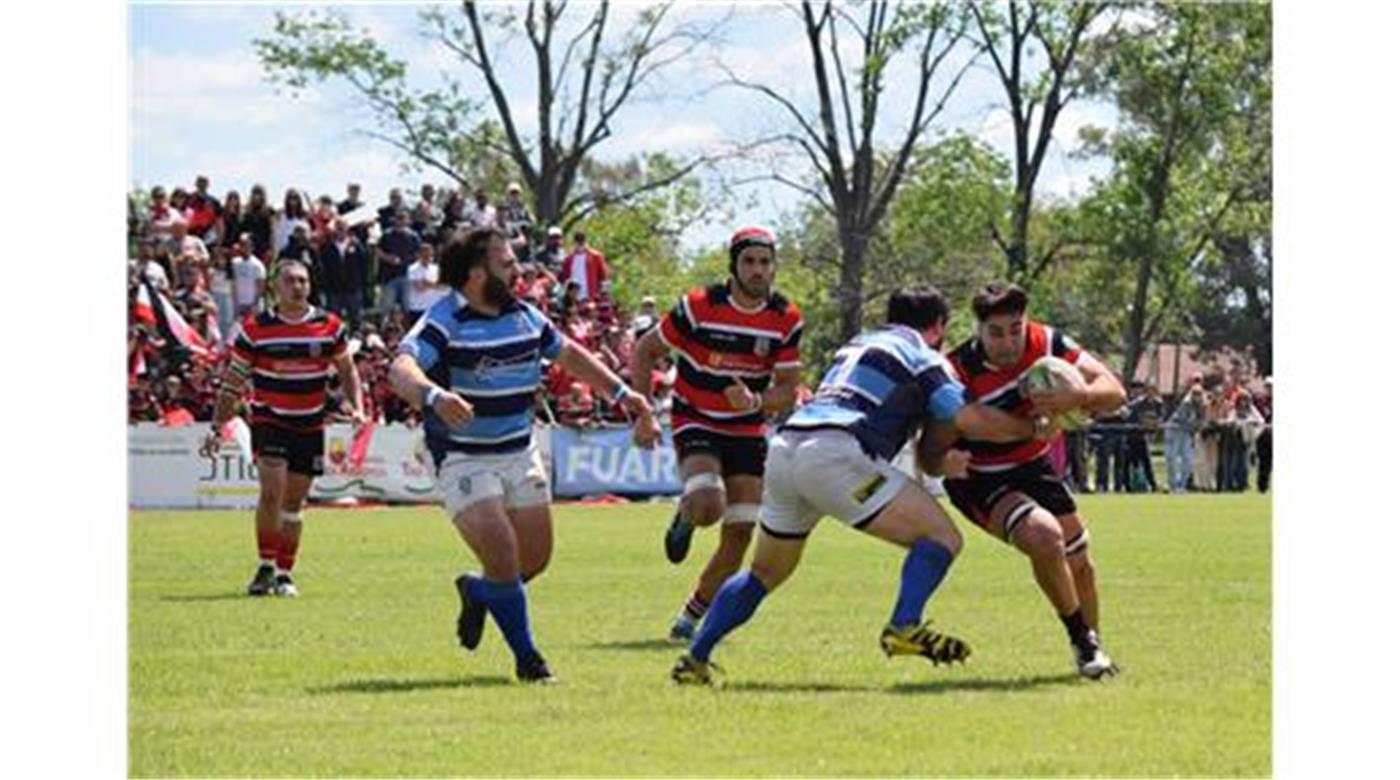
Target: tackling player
(832, 457)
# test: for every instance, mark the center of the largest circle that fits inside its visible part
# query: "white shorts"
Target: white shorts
(518, 478)
(810, 474)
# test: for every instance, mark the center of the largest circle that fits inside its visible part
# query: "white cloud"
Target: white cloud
(678, 136)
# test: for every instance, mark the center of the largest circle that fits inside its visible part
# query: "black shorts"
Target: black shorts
(303, 451)
(737, 455)
(976, 495)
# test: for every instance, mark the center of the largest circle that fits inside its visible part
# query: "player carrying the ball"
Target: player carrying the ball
(1011, 490)
(832, 457)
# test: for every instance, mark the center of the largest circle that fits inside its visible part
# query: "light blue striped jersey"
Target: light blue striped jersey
(493, 362)
(881, 388)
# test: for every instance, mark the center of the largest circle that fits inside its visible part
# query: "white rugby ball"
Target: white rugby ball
(1051, 373)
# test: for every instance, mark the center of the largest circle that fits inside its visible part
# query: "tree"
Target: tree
(855, 182)
(1058, 28)
(585, 79)
(1192, 88)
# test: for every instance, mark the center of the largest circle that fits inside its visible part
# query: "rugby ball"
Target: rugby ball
(1052, 372)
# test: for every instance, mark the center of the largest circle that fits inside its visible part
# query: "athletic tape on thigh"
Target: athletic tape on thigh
(1078, 544)
(743, 514)
(291, 517)
(703, 481)
(1015, 516)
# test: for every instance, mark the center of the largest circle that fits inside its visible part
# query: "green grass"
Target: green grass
(362, 675)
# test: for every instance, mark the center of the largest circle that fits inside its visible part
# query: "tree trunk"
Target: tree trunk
(851, 294)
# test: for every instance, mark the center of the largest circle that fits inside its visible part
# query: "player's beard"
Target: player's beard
(756, 289)
(497, 292)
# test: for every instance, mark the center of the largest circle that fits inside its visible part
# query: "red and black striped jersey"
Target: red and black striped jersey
(716, 341)
(1000, 387)
(290, 366)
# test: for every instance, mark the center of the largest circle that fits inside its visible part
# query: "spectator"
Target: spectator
(1264, 446)
(257, 221)
(1076, 470)
(321, 218)
(179, 203)
(1208, 443)
(159, 215)
(388, 213)
(1244, 424)
(1181, 430)
(588, 267)
(185, 248)
(1106, 437)
(516, 220)
(482, 214)
(454, 213)
(352, 200)
(576, 406)
(534, 287)
(427, 215)
(550, 257)
(344, 270)
(285, 222)
(204, 212)
(249, 278)
(396, 251)
(150, 268)
(231, 221)
(221, 289)
(646, 317)
(423, 288)
(1144, 418)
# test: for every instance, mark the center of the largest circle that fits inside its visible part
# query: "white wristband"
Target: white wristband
(430, 397)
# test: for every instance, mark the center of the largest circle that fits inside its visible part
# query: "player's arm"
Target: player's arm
(988, 423)
(418, 351)
(589, 368)
(1102, 392)
(354, 391)
(648, 350)
(231, 385)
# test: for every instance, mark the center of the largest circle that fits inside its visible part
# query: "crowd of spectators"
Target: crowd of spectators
(1215, 432)
(375, 266)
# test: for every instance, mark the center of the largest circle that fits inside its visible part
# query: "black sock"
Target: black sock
(1075, 626)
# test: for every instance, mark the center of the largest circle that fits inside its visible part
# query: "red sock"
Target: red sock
(291, 540)
(269, 543)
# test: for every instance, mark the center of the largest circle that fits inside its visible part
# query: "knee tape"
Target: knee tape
(741, 514)
(291, 517)
(1078, 544)
(705, 480)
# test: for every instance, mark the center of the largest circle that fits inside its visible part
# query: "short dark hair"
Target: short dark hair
(918, 307)
(464, 251)
(998, 298)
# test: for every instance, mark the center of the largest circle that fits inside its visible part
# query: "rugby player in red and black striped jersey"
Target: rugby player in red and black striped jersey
(288, 353)
(1011, 491)
(736, 346)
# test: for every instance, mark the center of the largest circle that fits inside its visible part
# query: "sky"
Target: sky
(199, 103)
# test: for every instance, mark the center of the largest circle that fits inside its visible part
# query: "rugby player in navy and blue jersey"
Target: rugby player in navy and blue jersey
(472, 364)
(832, 457)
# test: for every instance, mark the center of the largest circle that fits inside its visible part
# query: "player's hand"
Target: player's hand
(646, 431)
(741, 397)
(954, 464)
(358, 418)
(210, 446)
(453, 409)
(1055, 400)
(634, 404)
(1045, 427)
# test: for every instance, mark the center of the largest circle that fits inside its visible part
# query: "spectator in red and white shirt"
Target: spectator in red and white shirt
(588, 267)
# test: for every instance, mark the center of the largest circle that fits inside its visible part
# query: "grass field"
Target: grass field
(362, 674)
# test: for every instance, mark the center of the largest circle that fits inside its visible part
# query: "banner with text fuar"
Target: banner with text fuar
(604, 460)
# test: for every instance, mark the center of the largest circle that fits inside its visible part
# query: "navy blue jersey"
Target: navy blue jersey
(881, 388)
(491, 361)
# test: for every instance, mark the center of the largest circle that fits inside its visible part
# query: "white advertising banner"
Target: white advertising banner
(166, 470)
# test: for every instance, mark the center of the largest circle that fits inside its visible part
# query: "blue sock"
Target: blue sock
(506, 603)
(734, 604)
(924, 568)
